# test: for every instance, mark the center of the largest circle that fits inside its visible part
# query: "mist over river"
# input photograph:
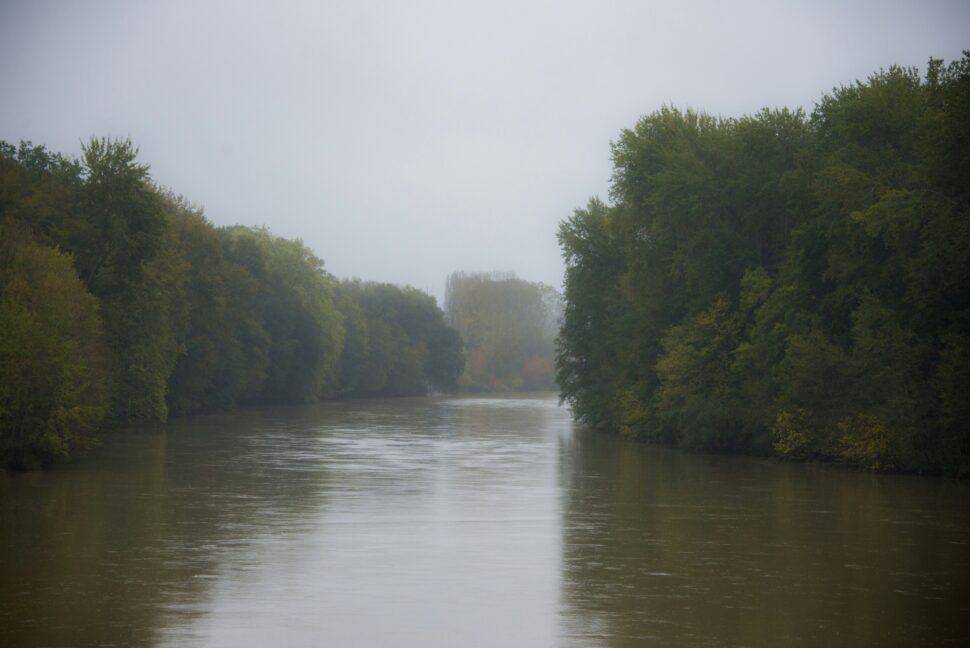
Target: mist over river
(468, 522)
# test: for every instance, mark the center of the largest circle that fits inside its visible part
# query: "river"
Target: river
(468, 522)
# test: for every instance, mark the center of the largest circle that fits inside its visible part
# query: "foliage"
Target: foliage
(586, 350)
(781, 282)
(52, 369)
(791, 436)
(397, 342)
(298, 313)
(865, 441)
(508, 326)
(121, 303)
(697, 397)
(226, 346)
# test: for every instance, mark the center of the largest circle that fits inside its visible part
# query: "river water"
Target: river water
(468, 522)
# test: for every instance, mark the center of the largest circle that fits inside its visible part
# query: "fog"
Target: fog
(404, 141)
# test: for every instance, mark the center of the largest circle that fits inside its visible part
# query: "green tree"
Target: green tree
(508, 325)
(397, 343)
(697, 397)
(226, 346)
(586, 353)
(52, 358)
(782, 281)
(298, 314)
(123, 222)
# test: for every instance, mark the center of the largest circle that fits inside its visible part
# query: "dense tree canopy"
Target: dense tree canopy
(397, 342)
(782, 282)
(52, 353)
(120, 302)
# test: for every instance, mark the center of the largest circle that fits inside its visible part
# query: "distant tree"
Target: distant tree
(508, 325)
(298, 313)
(226, 347)
(397, 343)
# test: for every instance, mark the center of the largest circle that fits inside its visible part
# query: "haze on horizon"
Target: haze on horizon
(405, 141)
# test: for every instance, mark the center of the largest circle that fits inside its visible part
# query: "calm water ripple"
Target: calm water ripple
(473, 522)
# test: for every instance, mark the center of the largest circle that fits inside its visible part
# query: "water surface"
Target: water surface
(473, 522)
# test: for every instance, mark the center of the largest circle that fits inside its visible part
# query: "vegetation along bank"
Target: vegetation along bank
(120, 303)
(784, 283)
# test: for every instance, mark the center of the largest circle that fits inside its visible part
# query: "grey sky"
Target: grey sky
(405, 140)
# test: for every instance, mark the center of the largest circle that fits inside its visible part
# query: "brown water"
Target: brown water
(468, 522)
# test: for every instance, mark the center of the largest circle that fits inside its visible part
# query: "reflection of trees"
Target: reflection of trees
(112, 550)
(125, 547)
(701, 550)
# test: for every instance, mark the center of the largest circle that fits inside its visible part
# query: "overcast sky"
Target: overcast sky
(406, 140)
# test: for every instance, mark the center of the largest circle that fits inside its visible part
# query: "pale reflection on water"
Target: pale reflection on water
(722, 551)
(473, 522)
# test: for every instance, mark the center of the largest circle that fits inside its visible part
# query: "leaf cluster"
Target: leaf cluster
(121, 303)
(781, 282)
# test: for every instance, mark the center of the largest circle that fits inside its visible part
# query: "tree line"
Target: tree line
(784, 283)
(509, 326)
(120, 303)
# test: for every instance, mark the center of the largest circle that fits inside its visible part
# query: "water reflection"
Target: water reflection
(115, 549)
(441, 527)
(684, 550)
(479, 522)
(404, 522)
